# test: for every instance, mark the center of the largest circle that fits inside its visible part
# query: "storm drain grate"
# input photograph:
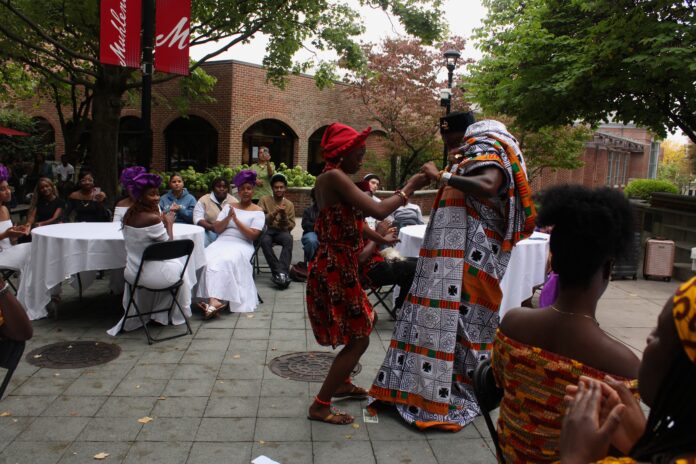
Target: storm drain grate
(310, 366)
(73, 355)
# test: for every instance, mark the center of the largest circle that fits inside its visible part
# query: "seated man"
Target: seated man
(407, 215)
(280, 220)
(310, 241)
(210, 205)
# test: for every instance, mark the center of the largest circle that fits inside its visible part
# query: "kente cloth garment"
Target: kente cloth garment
(449, 318)
(531, 412)
(337, 305)
(684, 313)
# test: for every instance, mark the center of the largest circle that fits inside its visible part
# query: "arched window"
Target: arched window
(129, 140)
(275, 135)
(191, 141)
(315, 162)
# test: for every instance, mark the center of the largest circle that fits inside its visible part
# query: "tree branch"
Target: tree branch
(44, 35)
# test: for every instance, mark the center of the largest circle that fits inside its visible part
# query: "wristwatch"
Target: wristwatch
(444, 180)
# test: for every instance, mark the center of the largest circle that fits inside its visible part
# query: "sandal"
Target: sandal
(355, 393)
(210, 311)
(335, 416)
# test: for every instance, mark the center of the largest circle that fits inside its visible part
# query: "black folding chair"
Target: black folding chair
(488, 396)
(10, 355)
(255, 266)
(162, 251)
(7, 275)
(383, 294)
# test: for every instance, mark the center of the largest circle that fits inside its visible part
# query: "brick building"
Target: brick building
(616, 154)
(247, 113)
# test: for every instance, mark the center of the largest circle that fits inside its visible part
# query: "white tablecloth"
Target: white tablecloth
(61, 250)
(526, 270)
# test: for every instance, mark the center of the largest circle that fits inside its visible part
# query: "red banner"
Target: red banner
(119, 41)
(172, 21)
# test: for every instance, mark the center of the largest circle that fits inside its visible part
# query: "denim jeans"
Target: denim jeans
(310, 243)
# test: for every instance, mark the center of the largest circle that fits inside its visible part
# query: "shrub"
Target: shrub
(642, 188)
(200, 181)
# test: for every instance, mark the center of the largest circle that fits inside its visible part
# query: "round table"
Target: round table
(526, 270)
(59, 251)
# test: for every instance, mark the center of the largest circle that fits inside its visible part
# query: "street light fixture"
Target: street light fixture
(451, 58)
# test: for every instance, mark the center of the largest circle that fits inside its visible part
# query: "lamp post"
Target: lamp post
(451, 57)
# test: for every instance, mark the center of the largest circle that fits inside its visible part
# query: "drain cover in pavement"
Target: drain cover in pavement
(73, 355)
(310, 366)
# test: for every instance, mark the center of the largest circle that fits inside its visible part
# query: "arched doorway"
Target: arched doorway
(271, 133)
(315, 162)
(191, 141)
(129, 140)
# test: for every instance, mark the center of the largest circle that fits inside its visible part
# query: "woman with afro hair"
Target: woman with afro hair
(538, 352)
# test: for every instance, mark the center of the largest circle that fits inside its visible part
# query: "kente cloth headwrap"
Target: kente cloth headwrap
(142, 182)
(128, 174)
(339, 139)
(245, 176)
(4, 173)
(684, 313)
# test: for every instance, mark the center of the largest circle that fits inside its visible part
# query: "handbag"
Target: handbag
(298, 272)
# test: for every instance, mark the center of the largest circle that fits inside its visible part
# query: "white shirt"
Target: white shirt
(64, 172)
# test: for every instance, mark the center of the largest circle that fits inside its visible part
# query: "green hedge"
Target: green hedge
(200, 181)
(642, 188)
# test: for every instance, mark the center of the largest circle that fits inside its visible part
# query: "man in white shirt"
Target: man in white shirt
(65, 176)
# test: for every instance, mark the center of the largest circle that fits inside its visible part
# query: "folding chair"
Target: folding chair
(161, 252)
(256, 266)
(488, 396)
(383, 297)
(10, 355)
(7, 274)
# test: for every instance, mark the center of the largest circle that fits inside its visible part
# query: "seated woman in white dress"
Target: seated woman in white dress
(13, 257)
(144, 225)
(228, 278)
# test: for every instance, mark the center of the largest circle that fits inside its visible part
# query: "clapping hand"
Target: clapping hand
(100, 197)
(16, 232)
(175, 207)
(167, 218)
(587, 432)
(232, 213)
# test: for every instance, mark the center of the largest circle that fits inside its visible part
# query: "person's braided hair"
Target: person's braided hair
(589, 227)
(671, 427)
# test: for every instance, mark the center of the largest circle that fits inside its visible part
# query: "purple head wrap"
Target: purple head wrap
(4, 173)
(245, 176)
(128, 174)
(142, 182)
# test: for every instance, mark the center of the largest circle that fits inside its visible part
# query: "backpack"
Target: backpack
(298, 272)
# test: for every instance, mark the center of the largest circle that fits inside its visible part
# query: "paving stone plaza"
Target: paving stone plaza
(211, 397)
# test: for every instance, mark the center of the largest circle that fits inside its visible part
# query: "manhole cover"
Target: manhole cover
(310, 366)
(73, 355)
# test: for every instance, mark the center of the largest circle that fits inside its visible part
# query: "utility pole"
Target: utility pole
(145, 157)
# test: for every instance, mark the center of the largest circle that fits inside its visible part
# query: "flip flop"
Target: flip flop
(355, 393)
(329, 419)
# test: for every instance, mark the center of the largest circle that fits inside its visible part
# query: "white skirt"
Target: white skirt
(228, 275)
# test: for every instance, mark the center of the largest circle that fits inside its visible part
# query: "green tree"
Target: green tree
(59, 39)
(21, 149)
(675, 165)
(399, 89)
(555, 62)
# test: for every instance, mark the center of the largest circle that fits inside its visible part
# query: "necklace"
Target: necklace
(574, 314)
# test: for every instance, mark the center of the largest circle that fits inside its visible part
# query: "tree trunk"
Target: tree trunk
(392, 171)
(106, 113)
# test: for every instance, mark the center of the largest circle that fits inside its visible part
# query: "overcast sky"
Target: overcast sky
(462, 16)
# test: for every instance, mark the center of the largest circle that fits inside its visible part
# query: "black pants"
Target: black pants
(277, 237)
(400, 273)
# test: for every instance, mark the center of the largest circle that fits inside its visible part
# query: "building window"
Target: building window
(610, 168)
(190, 141)
(315, 162)
(273, 134)
(627, 160)
(652, 163)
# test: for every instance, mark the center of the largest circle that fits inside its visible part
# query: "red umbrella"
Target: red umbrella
(12, 132)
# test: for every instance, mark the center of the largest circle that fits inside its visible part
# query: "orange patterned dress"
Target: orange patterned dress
(534, 381)
(337, 305)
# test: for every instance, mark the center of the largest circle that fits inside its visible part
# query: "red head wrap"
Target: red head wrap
(340, 139)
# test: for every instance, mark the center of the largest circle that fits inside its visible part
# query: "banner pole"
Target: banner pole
(146, 93)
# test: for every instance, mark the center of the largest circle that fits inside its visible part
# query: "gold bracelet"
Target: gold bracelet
(404, 197)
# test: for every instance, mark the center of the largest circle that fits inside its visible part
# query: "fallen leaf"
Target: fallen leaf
(348, 437)
(236, 356)
(137, 386)
(101, 455)
(261, 442)
(70, 347)
(57, 374)
(36, 356)
(250, 316)
(162, 398)
(15, 420)
(274, 349)
(356, 426)
(145, 420)
(73, 413)
(5, 414)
